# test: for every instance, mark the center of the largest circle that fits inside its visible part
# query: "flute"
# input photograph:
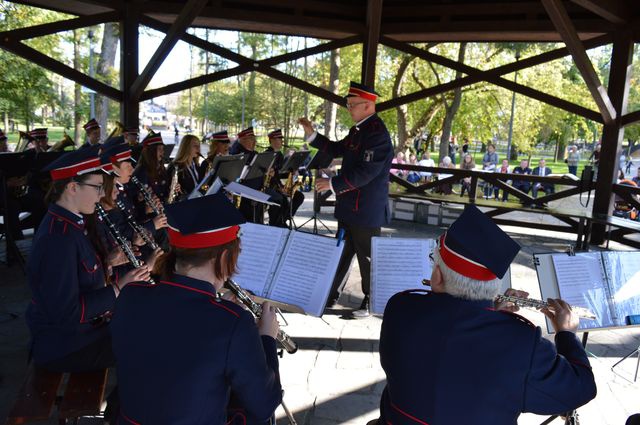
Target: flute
(120, 240)
(148, 240)
(148, 198)
(256, 310)
(582, 312)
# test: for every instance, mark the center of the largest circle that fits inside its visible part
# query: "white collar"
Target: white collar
(363, 120)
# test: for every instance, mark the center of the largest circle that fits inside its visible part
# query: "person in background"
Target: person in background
(445, 188)
(541, 170)
(399, 159)
(467, 164)
(573, 159)
(523, 168)
(413, 176)
(504, 168)
(93, 132)
(426, 161)
(489, 164)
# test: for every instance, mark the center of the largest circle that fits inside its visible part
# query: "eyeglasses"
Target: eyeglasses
(98, 187)
(353, 105)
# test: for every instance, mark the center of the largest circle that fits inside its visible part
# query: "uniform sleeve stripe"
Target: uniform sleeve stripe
(413, 418)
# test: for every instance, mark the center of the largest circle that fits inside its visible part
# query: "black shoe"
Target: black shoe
(363, 311)
(332, 302)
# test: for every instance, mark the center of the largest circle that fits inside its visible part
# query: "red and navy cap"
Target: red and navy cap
(152, 139)
(203, 222)
(2, 135)
(220, 136)
(39, 133)
(91, 124)
(132, 131)
(275, 134)
(246, 132)
(475, 247)
(75, 163)
(115, 155)
(360, 90)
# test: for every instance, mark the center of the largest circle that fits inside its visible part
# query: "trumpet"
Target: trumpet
(582, 312)
(119, 239)
(148, 197)
(256, 310)
(148, 240)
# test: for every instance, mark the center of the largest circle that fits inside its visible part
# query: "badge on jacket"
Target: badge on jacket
(368, 156)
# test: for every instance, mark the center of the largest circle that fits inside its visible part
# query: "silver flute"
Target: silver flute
(120, 240)
(148, 197)
(148, 239)
(538, 304)
(256, 310)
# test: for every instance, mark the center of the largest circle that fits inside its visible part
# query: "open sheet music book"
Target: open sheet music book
(400, 264)
(607, 283)
(288, 266)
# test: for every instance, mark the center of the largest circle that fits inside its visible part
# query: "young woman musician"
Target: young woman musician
(66, 276)
(181, 348)
(151, 172)
(187, 164)
(218, 145)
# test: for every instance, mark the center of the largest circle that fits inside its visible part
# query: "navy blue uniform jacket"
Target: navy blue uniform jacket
(180, 353)
(362, 187)
(453, 361)
(67, 286)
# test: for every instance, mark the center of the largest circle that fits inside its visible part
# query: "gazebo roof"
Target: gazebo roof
(405, 20)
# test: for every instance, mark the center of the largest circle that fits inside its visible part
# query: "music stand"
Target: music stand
(319, 161)
(13, 165)
(253, 176)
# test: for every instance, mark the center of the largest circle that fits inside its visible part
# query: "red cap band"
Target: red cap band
(363, 94)
(203, 239)
(122, 156)
(462, 265)
(153, 140)
(76, 169)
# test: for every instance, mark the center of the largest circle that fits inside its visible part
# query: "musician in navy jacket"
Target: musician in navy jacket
(70, 298)
(361, 188)
(181, 349)
(452, 357)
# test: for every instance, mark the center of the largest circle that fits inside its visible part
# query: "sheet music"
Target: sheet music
(261, 247)
(624, 279)
(306, 272)
(397, 264)
(582, 282)
(247, 192)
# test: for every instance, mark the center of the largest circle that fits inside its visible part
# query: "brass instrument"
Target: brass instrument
(173, 188)
(205, 186)
(256, 310)
(63, 144)
(290, 186)
(22, 136)
(582, 312)
(119, 239)
(148, 197)
(117, 131)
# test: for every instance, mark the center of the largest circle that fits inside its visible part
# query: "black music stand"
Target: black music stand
(319, 161)
(292, 164)
(228, 168)
(253, 178)
(13, 165)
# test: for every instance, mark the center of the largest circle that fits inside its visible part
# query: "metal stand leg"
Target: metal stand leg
(636, 351)
(292, 420)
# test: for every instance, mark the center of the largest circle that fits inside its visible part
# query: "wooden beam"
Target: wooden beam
(189, 12)
(630, 118)
(370, 45)
(619, 76)
(54, 27)
(615, 11)
(129, 29)
(195, 82)
(565, 27)
(499, 81)
(60, 68)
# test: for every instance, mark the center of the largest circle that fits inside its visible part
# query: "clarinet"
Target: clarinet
(120, 240)
(149, 241)
(256, 310)
(538, 304)
(148, 198)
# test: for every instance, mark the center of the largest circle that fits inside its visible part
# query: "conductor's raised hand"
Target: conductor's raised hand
(268, 323)
(307, 126)
(561, 316)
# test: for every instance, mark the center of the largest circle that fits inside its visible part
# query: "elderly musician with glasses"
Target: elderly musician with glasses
(361, 188)
(453, 357)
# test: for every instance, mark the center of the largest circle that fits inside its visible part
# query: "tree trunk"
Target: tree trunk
(6, 121)
(451, 110)
(77, 94)
(330, 108)
(401, 111)
(106, 61)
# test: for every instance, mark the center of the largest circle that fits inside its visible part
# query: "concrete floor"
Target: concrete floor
(335, 377)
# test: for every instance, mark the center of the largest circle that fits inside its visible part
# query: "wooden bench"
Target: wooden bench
(42, 391)
(624, 227)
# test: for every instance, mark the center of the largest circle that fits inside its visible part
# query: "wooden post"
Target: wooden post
(129, 108)
(370, 45)
(621, 60)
